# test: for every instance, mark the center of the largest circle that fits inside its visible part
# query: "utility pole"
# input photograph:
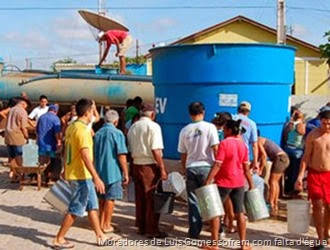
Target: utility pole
(102, 11)
(281, 33)
(137, 51)
(27, 63)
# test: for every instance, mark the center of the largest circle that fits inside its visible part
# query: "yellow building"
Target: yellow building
(311, 72)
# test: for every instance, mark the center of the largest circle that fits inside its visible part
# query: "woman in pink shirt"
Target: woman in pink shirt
(228, 172)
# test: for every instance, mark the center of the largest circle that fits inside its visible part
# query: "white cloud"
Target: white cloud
(299, 30)
(30, 40)
(117, 17)
(165, 23)
(72, 27)
(158, 25)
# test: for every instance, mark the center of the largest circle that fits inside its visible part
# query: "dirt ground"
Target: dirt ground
(28, 222)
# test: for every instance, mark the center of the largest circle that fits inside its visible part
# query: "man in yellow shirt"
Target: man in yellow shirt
(82, 176)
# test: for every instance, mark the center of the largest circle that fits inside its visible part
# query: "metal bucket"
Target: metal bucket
(163, 201)
(59, 196)
(255, 205)
(209, 202)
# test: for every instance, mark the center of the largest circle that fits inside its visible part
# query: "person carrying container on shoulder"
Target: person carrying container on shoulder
(122, 40)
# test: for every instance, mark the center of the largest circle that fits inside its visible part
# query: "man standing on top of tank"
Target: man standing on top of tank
(317, 159)
(250, 136)
(198, 145)
(145, 143)
(122, 40)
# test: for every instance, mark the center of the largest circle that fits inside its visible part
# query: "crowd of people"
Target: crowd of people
(227, 151)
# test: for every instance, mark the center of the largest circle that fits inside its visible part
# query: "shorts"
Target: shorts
(280, 163)
(51, 154)
(318, 185)
(124, 46)
(113, 191)
(14, 151)
(83, 198)
(236, 195)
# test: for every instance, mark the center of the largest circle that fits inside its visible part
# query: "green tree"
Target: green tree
(65, 60)
(325, 48)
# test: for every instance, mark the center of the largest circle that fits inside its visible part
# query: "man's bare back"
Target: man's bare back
(319, 159)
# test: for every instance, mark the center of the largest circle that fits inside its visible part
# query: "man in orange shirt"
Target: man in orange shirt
(122, 40)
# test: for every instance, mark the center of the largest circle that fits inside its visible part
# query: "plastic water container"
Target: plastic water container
(174, 183)
(30, 154)
(255, 205)
(298, 216)
(209, 202)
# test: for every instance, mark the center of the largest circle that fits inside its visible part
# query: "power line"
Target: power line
(311, 9)
(73, 55)
(160, 8)
(137, 8)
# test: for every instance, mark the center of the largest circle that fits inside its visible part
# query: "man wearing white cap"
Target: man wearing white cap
(250, 137)
(122, 40)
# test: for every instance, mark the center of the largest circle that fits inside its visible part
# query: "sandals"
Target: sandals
(64, 245)
(111, 230)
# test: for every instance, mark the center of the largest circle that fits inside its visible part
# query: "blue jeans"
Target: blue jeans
(196, 177)
(291, 173)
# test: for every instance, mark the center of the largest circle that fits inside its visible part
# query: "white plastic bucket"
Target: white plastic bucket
(298, 216)
(174, 183)
(209, 202)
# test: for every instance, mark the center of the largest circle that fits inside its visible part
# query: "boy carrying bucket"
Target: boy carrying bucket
(228, 172)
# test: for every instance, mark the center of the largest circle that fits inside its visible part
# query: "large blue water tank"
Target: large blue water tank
(221, 76)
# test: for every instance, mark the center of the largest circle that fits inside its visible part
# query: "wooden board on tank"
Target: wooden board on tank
(101, 22)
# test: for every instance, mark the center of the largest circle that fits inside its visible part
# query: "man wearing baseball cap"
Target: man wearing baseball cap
(250, 137)
(122, 40)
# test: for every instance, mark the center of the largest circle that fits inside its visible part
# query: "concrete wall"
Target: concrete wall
(310, 104)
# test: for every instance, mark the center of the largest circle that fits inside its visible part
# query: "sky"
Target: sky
(48, 30)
